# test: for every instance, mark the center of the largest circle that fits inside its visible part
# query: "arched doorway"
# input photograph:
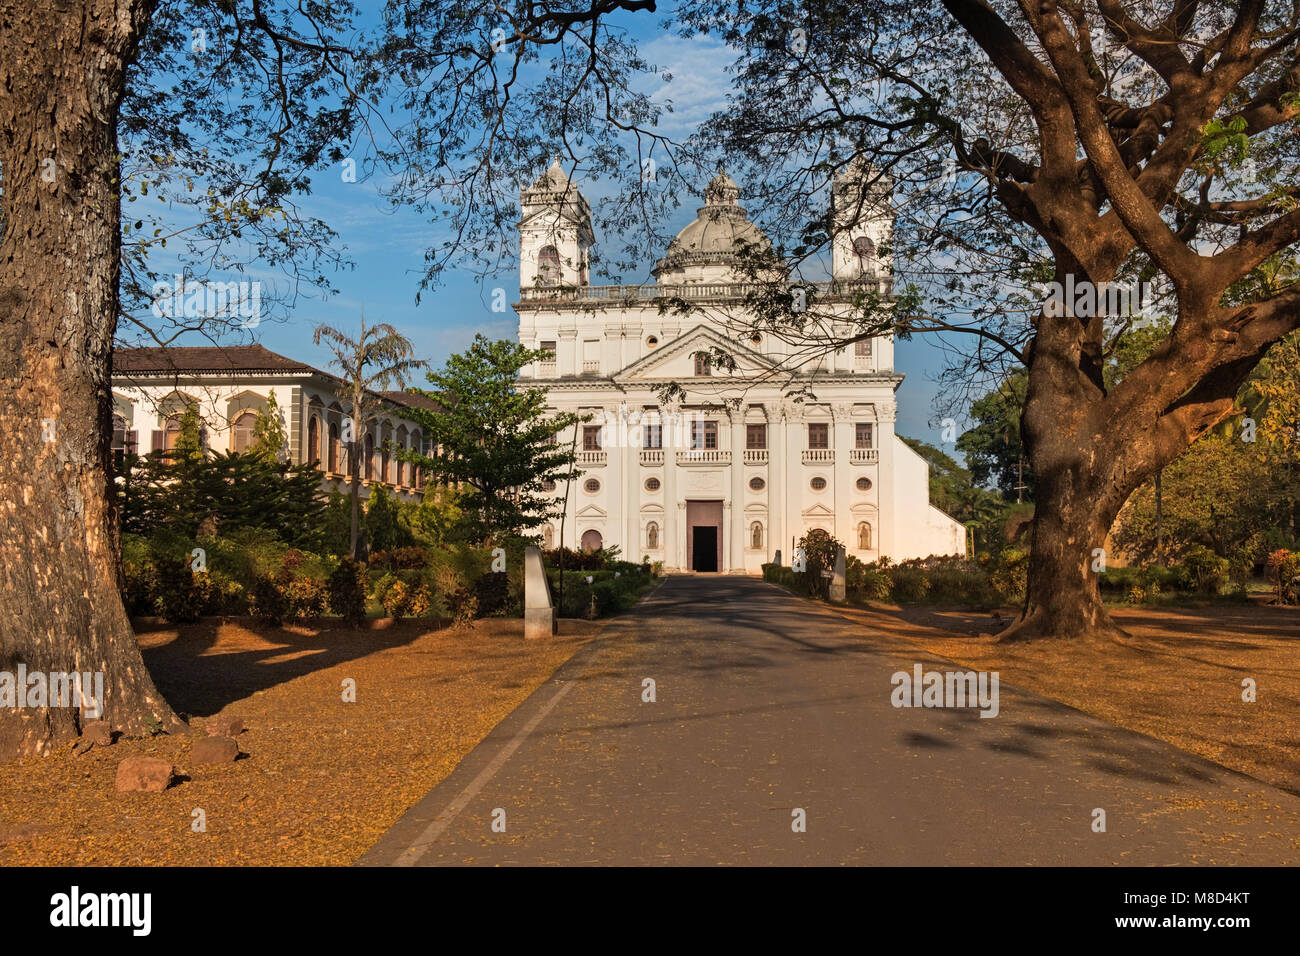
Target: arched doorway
(592, 541)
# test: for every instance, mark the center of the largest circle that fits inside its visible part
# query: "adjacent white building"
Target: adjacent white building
(734, 470)
(152, 388)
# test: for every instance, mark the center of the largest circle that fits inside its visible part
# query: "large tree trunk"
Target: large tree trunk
(62, 72)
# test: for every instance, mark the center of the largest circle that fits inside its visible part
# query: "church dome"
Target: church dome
(709, 249)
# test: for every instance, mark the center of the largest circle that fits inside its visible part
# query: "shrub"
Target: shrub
(911, 583)
(454, 591)
(1283, 569)
(493, 593)
(400, 559)
(868, 582)
(266, 601)
(397, 600)
(1203, 570)
(818, 555)
(179, 595)
(1010, 574)
(347, 592)
(304, 596)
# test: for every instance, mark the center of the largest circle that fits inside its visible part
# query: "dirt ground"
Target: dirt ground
(1179, 678)
(321, 779)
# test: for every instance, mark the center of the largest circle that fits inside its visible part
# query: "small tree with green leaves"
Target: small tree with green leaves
(494, 439)
(376, 358)
(269, 438)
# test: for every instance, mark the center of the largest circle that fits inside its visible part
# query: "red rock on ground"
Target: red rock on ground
(144, 775)
(224, 726)
(214, 750)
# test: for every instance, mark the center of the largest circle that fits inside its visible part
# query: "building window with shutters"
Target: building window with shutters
(591, 438)
(863, 435)
(242, 436)
(702, 364)
(704, 436)
(819, 435)
(756, 437)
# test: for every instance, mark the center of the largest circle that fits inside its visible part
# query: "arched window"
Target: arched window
(333, 465)
(548, 537)
(313, 441)
(756, 535)
(384, 473)
(370, 458)
(864, 536)
(652, 535)
(864, 250)
(592, 541)
(548, 265)
(242, 438)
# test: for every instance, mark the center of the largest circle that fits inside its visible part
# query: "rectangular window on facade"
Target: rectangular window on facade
(862, 348)
(591, 438)
(654, 436)
(755, 436)
(819, 435)
(863, 434)
(704, 435)
(549, 349)
(702, 364)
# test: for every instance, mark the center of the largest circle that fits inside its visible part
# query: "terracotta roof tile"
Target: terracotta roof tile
(232, 358)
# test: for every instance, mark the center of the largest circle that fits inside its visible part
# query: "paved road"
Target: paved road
(767, 703)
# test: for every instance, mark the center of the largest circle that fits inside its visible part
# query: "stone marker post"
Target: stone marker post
(778, 556)
(539, 611)
(839, 578)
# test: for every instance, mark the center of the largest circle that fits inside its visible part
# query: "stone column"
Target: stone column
(674, 519)
(736, 506)
(844, 440)
(776, 479)
(795, 477)
(539, 610)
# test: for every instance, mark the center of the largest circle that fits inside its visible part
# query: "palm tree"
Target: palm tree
(376, 358)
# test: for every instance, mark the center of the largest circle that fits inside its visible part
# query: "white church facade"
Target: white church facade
(733, 469)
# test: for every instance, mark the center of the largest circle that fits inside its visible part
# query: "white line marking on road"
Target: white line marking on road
(412, 854)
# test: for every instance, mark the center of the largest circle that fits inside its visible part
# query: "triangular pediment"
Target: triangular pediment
(673, 360)
(818, 511)
(592, 511)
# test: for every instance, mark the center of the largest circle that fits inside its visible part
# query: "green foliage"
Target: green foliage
(189, 440)
(1009, 574)
(610, 591)
(384, 530)
(1284, 571)
(819, 549)
(993, 448)
(347, 592)
(437, 518)
(267, 602)
(495, 439)
(178, 595)
(269, 438)
(378, 356)
(224, 494)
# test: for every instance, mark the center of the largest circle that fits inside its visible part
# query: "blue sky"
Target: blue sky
(387, 246)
